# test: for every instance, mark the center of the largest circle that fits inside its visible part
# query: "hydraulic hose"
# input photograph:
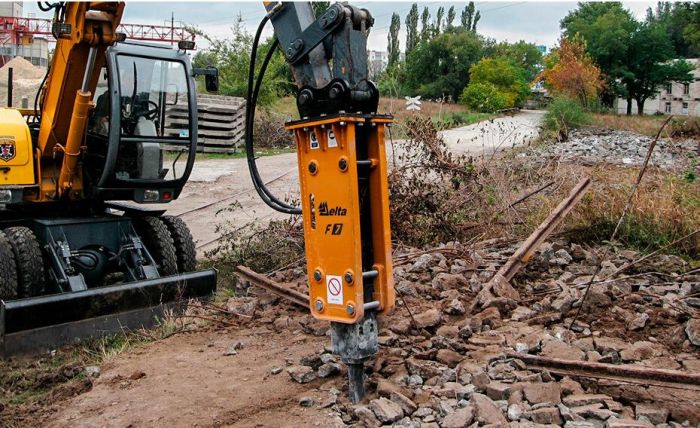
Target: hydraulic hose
(253, 92)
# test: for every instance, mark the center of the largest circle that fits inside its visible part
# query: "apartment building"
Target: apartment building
(681, 99)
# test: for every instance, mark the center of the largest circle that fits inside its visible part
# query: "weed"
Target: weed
(263, 247)
(679, 127)
(563, 115)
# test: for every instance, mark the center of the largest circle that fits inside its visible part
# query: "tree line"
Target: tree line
(604, 53)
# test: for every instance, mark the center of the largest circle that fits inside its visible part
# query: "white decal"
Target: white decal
(334, 289)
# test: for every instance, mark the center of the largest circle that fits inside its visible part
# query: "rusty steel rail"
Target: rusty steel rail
(255, 278)
(526, 251)
(623, 373)
(500, 283)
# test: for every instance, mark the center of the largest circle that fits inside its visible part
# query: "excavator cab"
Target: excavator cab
(142, 132)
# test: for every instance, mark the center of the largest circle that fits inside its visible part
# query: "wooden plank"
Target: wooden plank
(171, 123)
(216, 117)
(208, 149)
(210, 108)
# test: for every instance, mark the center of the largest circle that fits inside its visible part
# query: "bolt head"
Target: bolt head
(343, 164)
(348, 277)
(350, 309)
(319, 305)
(312, 167)
(317, 275)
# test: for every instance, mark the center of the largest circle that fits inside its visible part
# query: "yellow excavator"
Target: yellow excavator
(75, 260)
(80, 254)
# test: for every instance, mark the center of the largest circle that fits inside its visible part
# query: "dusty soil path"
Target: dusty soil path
(187, 381)
(489, 136)
(217, 183)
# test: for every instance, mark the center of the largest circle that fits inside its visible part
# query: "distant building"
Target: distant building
(377, 61)
(542, 48)
(682, 99)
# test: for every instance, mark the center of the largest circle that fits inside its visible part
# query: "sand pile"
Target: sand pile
(26, 81)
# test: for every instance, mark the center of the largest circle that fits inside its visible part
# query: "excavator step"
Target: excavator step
(46, 322)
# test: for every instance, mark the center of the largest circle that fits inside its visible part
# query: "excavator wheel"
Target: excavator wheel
(185, 249)
(8, 271)
(28, 259)
(159, 242)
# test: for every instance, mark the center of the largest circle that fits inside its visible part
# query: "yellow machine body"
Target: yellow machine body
(328, 173)
(65, 107)
(16, 154)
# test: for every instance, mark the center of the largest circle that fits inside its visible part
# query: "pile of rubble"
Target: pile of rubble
(594, 146)
(442, 366)
(26, 81)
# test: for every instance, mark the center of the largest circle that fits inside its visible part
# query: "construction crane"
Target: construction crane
(342, 171)
(80, 254)
(17, 30)
(20, 31)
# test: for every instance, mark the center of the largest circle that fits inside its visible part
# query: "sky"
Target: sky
(533, 21)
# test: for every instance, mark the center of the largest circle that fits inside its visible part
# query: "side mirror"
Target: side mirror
(211, 77)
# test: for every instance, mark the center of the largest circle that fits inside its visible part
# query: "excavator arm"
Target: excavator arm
(342, 173)
(83, 31)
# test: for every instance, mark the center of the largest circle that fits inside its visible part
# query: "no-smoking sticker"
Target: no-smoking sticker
(334, 289)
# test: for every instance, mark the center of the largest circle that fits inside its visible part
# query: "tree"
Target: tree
(635, 58)
(477, 17)
(506, 76)
(691, 32)
(438, 20)
(232, 56)
(451, 14)
(571, 72)
(526, 55)
(484, 97)
(412, 28)
(320, 7)
(675, 18)
(438, 68)
(651, 65)
(469, 18)
(425, 29)
(393, 47)
(607, 29)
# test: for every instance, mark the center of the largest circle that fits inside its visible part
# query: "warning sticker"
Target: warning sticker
(313, 141)
(334, 289)
(332, 142)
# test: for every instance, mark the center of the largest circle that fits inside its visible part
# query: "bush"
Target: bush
(563, 115)
(484, 97)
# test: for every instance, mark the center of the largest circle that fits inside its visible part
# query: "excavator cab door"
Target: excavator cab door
(152, 125)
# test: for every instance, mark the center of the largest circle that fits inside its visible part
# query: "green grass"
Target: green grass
(241, 154)
(169, 156)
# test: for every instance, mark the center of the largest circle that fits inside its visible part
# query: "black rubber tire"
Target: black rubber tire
(185, 249)
(157, 239)
(28, 259)
(8, 271)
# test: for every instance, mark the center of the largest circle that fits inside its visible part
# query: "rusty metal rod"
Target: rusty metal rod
(255, 278)
(624, 373)
(525, 252)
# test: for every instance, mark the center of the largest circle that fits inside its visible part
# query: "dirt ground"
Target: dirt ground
(186, 380)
